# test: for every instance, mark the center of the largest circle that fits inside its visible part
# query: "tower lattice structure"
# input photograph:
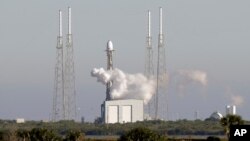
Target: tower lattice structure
(69, 75)
(149, 67)
(64, 98)
(161, 84)
(58, 97)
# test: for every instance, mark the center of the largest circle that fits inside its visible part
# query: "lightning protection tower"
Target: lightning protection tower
(64, 98)
(149, 68)
(69, 76)
(161, 71)
(58, 97)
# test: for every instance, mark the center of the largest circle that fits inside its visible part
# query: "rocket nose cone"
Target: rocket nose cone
(110, 46)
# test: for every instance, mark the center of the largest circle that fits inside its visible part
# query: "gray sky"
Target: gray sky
(208, 35)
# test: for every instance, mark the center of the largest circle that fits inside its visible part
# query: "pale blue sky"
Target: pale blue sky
(208, 35)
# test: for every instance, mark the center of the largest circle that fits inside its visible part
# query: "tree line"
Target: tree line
(68, 130)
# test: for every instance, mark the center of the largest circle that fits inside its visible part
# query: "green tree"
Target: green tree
(74, 136)
(229, 120)
(1, 135)
(142, 134)
(22, 134)
(42, 134)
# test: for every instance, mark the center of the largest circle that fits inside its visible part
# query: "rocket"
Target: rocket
(109, 50)
(110, 46)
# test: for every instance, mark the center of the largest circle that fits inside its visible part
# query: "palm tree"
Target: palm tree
(229, 120)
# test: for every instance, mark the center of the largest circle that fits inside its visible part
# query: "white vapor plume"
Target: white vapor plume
(194, 76)
(237, 100)
(126, 86)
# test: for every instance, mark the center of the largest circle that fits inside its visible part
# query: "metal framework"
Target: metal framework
(64, 98)
(161, 71)
(58, 97)
(149, 67)
(69, 74)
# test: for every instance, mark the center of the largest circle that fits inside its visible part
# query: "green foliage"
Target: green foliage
(142, 134)
(10, 130)
(23, 134)
(229, 120)
(1, 135)
(74, 136)
(42, 134)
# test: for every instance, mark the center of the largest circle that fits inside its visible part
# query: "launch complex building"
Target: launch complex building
(119, 111)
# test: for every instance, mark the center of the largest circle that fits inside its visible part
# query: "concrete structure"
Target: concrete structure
(230, 110)
(216, 115)
(122, 111)
(20, 120)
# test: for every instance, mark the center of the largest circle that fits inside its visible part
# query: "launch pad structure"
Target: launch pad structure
(161, 74)
(160, 97)
(110, 50)
(149, 67)
(122, 110)
(64, 97)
